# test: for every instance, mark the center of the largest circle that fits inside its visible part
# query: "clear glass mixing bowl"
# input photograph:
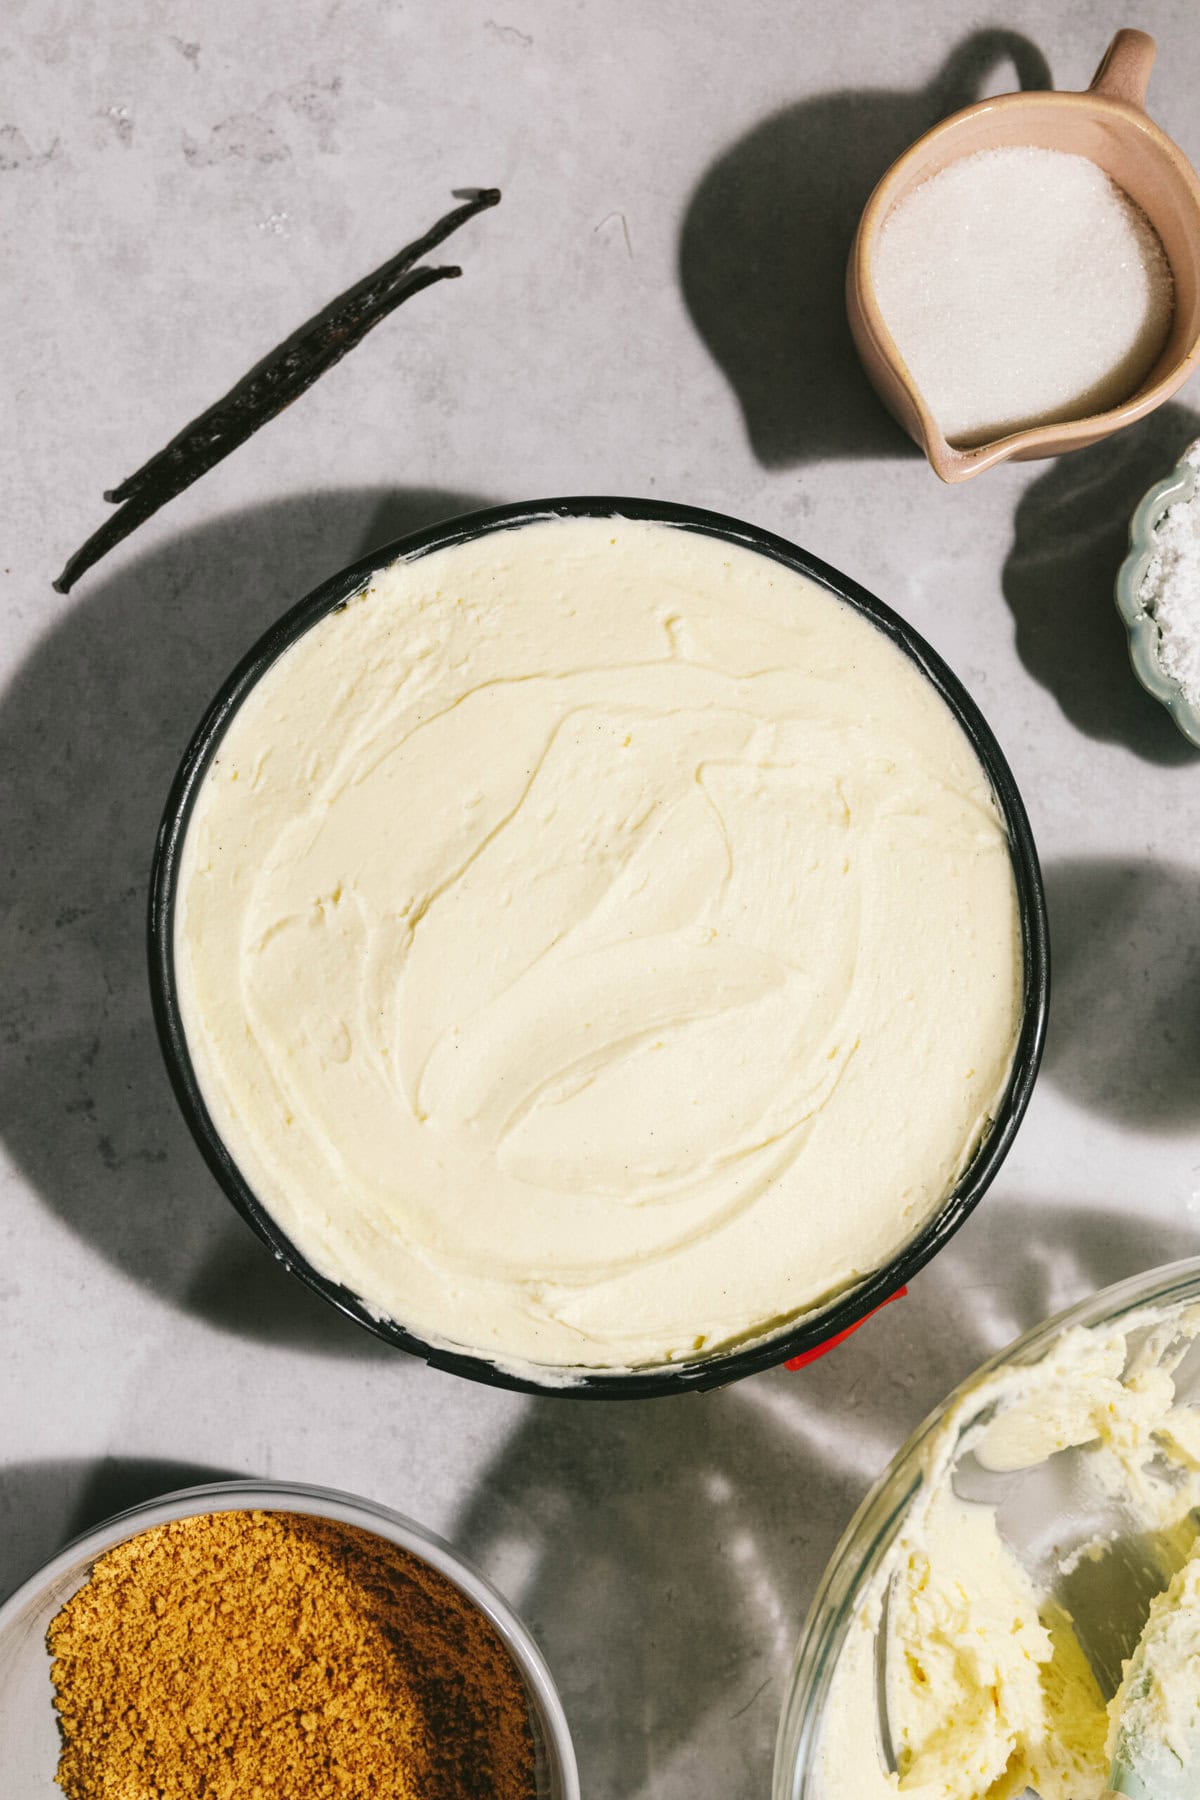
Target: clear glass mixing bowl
(879, 1519)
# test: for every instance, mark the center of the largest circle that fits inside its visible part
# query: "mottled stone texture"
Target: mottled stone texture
(654, 309)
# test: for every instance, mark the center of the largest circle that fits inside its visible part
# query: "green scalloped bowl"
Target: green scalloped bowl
(1180, 484)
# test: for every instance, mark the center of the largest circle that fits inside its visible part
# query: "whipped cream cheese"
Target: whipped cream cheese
(597, 944)
(995, 1617)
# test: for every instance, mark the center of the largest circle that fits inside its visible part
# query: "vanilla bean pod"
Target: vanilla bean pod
(272, 385)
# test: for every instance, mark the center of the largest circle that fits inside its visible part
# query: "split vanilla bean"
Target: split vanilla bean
(271, 385)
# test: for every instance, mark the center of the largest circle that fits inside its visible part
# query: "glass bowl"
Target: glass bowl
(28, 1723)
(880, 1518)
(1179, 485)
(815, 1327)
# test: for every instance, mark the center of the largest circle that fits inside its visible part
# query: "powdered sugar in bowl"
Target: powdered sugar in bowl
(1158, 592)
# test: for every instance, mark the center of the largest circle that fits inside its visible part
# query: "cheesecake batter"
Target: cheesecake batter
(987, 1684)
(1155, 1716)
(597, 945)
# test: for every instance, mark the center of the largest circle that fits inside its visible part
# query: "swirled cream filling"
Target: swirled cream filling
(597, 944)
(998, 1623)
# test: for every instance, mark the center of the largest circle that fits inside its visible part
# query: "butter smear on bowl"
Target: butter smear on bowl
(1055, 1499)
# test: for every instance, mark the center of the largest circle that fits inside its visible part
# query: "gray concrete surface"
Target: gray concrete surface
(654, 309)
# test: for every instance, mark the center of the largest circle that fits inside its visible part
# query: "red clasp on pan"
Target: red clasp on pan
(807, 1356)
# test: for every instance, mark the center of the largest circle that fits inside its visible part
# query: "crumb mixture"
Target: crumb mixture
(272, 1656)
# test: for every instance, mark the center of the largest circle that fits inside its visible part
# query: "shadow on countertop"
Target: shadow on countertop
(764, 246)
(1124, 1032)
(92, 728)
(44, 1505)
(1070, 536)
(665, 1552)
